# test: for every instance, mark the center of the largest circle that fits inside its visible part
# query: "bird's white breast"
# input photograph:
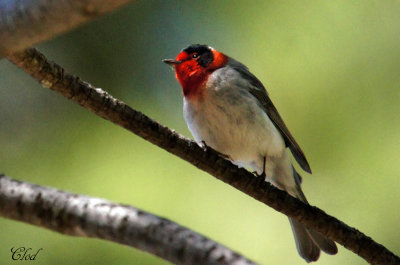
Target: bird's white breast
(229, 119)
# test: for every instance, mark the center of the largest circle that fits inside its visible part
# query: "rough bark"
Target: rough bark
(25, 23)
(103, 104)
(84, 216)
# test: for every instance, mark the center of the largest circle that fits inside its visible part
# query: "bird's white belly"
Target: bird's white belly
(231, 122)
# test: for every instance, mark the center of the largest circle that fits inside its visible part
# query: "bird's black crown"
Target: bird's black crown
(204, 51)
(199, 48)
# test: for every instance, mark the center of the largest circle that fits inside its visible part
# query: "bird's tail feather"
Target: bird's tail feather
(306, 247)
(308, 241)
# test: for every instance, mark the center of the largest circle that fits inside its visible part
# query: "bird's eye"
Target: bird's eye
(195, 56)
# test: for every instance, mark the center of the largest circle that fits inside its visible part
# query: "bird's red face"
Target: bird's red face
(193, 67)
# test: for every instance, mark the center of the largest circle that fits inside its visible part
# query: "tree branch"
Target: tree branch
(25, 23)
(84, 216)
(101, 103)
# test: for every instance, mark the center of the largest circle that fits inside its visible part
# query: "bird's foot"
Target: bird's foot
(203, 145)
(206, 147)
(262, 175)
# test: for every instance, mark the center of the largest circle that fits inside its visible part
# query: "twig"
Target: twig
(103, 104)
(25, 23)
(84, 216)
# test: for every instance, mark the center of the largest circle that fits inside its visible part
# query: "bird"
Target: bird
(228, 109)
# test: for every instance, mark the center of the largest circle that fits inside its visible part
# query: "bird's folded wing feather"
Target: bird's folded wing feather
(258, 90)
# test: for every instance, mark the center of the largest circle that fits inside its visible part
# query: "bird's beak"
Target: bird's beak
(171, 62)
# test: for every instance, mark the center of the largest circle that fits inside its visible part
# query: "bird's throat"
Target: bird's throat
(192, 80)
(193, 88)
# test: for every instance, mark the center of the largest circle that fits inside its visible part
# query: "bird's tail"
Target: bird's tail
(309, 242)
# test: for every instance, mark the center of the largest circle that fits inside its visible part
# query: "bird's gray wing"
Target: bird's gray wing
(258, 90)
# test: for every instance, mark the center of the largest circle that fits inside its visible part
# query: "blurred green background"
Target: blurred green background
(331, 68)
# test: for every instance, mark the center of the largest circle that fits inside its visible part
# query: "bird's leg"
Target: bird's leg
(206, 147)
(262, 175)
